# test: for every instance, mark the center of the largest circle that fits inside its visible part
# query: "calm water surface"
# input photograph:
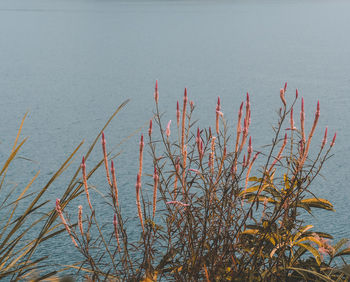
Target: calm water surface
(71, 63)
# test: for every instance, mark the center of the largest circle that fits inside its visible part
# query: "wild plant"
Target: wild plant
(212, 208)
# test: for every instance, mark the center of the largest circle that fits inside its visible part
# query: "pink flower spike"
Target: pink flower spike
(155, 187)
(105, 159)
(115, 223)
(141, 155)
(86, 188)
(282, 97)
(256, 156)
(241, 109)
(333, 141)
(302, 120)
(291, 119)
(80, 220)
(191, 105)
(250, 149)
(177, 203)
(324, 141)
(138, 203)
(302, 104)
(103, 138)
(156, 92)
(168, 129)
(114, 184)
(185, 94)
(220, 113)
(285, 87)
(178, 114)
(194, 170)
(217, 116)
(150, 128)
(58, 206)
(247, 98)
(64, 222)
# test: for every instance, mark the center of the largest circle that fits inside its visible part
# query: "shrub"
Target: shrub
(217, 209)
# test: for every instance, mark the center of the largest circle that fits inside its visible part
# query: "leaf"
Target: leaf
(301, 231)
(308, 238)
(318, 203)
(320, 234)
(319, 275)
(344, 252)
(251, 190)
(340, 243)
(250, 231)
(255, 179)
(312, 250)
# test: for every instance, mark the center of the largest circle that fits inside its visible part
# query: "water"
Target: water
(71, 63)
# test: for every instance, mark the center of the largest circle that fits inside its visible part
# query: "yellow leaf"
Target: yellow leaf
(318, 203)
(312, 250)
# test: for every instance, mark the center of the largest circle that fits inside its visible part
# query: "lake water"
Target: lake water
(71, 63)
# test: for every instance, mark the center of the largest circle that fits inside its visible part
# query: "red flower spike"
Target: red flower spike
(241, 108)
(150, 128)
(103, 138)
(285, 87)
(302, 104)
(156, 92)
(324, 141)
(217, 116)
(333, 141)
(114, 184)
(105, 158)
(282, 97)
(178, 114)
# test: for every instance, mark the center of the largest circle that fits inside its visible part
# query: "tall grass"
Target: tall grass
(28, 218)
